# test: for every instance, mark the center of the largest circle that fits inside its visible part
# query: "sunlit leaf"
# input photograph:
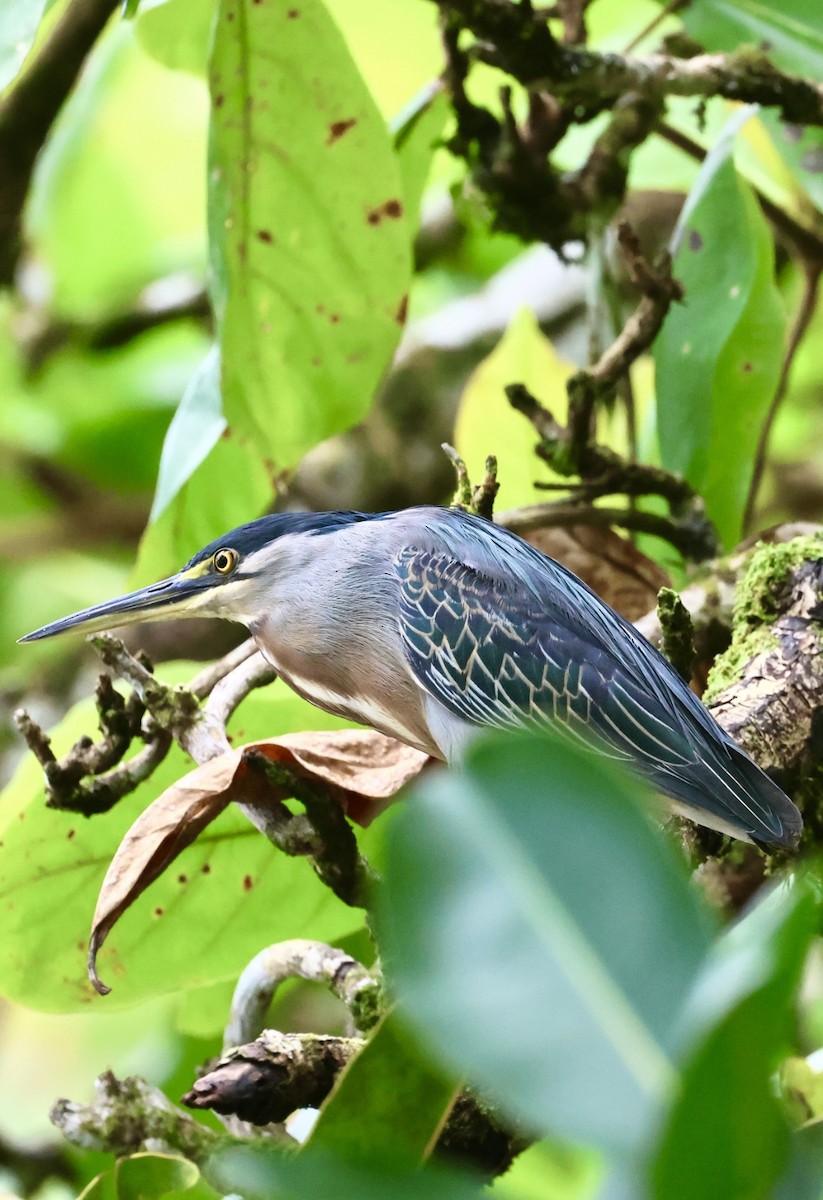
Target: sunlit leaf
(228, 894)
(388, 1106)
(416, 134)
(726, 1115)
(308, 228)
(19, 21)
(718, 356)
(502, 885)
(176, 32)
(486, 422)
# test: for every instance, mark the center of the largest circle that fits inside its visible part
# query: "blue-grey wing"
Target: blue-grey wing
(493, 655)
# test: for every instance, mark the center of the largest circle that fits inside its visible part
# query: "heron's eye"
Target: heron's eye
(225, 561)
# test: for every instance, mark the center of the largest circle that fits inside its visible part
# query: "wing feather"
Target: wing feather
(494, 653)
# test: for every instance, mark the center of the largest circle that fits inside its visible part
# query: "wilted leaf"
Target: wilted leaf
(718, 356)
(359, 769)
(362, 766)
(523, 885)
(156, 838)
(621, 574)
(389, 1104)
(310, 244)
(198, 925)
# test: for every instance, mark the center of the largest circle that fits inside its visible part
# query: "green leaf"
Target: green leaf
(310, 243)
(230, 486)
(19, 22)
(176, 32)
(123, 171)
(719, 353)
(417, 132)
(791, 32)
(388, 1106)
(726, 1117)
(802, 151)
(192, 434)
(263, 1174)
(487, 424)
(200, 923)
(147, 1176)
(523, 885)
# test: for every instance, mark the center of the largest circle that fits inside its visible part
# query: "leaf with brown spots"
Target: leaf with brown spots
(361, 769)
(299, 148)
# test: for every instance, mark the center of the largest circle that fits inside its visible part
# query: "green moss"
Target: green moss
(758, 594)
(757, 604)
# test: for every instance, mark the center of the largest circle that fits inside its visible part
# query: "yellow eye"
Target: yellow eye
(225, 561)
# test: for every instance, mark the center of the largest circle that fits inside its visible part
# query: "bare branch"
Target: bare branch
(129, 1115)
(29, 108)
(359, 989)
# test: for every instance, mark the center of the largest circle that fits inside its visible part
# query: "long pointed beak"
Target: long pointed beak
(171, 597)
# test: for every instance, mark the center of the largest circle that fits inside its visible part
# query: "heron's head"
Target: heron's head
(228, 578)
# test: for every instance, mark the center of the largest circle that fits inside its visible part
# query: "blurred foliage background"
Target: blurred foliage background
(346, 360)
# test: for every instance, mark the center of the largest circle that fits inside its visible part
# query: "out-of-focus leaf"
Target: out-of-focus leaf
(123, 172)
(726, 1116)
(149, 1176)
(487, 424)
(501, 884)
(19, 21)
(549, 1172)
(195, 427)
(803, 1178)
(718, 356)
(388, 1106)
(801, 1089)
(200, 923)
(310, 242)
(176, 32)
(262, 1174)
(791, 32)
(802, 150)
(102, 1187)
(360, 768)
(416, 134)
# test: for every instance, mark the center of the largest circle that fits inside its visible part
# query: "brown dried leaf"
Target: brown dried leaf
(360, 768)
(620, 574)
(159, 834)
